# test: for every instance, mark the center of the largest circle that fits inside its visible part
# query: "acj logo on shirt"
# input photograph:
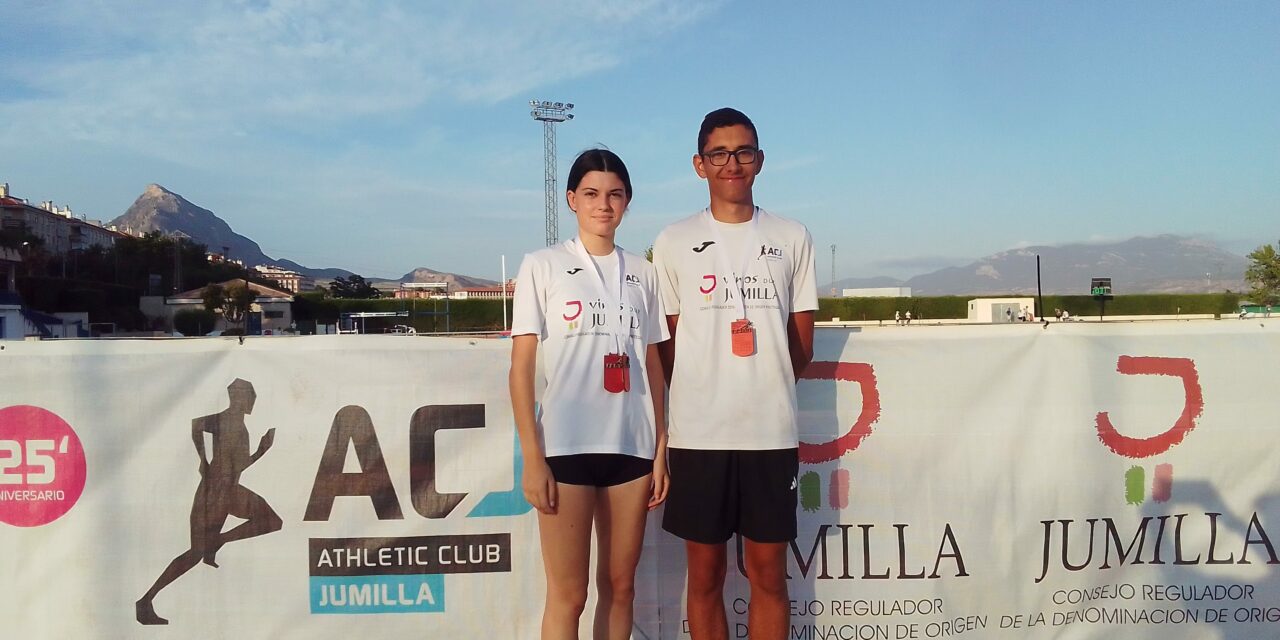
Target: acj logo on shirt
(769, 253)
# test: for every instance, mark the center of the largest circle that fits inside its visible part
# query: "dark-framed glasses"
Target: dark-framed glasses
(720, 157)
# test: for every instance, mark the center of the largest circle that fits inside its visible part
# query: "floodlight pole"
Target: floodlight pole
(833, 271)
(549, 114)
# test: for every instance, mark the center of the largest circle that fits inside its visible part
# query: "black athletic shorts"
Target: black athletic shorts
(598, 469)
(716, 493)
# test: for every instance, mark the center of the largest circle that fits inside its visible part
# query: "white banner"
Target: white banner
(1074, 481)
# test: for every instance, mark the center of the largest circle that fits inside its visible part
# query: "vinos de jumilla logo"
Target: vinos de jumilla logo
(573, 311)
(814, 453)
(709, 287)
(1139, 448)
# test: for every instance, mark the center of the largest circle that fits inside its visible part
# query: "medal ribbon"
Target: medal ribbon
(723, 256)
(622, 335)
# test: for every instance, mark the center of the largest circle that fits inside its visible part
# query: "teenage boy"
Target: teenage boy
(739, 285)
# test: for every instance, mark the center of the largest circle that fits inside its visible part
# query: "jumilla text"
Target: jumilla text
(1154, 540)
(873, 552)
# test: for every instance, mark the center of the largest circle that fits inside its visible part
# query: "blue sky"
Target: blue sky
(383, 136)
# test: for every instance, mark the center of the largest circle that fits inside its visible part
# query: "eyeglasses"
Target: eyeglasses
(720, 158)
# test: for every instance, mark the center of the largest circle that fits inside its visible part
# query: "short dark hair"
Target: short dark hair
(598, 160)
(724, 117)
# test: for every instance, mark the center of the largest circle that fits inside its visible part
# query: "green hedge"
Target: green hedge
(486, 315)
(883, 308)
(464, 315)
(951, 307)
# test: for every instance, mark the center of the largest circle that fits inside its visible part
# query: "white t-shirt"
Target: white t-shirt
(558, 298)
(719, 400)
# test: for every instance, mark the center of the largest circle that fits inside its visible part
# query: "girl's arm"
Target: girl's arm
(658, 390)
(536, 481)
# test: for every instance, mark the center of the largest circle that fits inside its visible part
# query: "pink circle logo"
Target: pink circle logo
(42, 467)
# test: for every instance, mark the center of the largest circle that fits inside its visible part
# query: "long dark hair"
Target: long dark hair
(598, 160)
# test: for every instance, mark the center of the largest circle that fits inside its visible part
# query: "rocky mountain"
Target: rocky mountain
(159, 209)
(1159, 264)
(423, 274)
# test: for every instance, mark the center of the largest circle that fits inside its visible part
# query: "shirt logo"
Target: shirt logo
(632, 279)
(573, 311)
(574, 271)
(705, 244)
(769, 253)
(706, 289)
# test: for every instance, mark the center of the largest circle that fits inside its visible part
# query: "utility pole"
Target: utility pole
(550, 114)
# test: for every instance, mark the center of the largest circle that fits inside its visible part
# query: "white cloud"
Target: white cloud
(182, 73)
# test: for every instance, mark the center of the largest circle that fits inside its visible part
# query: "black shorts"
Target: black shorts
(598, 469)
(717, 493)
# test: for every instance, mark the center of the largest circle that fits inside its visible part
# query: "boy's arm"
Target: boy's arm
(800, 341)
(667, 349)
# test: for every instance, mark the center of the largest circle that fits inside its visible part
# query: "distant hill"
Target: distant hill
(423, 274)
(159, 209)
(1159, 264)
(877, 282)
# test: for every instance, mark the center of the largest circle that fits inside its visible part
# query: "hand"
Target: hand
(539, 486)
(658, 485)
(267, 439)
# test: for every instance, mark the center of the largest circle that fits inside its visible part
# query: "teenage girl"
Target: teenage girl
(595, 447)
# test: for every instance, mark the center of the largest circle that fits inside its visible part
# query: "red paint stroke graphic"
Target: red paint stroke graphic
(1183, 368)
(577, 306)
(1162, 483)
(709, 288)
(865, 376)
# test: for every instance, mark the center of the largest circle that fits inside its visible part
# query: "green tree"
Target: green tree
(232, 301)
(1264, 275)
(354, 286)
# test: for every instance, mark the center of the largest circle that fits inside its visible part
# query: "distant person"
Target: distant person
(907, 317)
(1066, 315)
(897, 318)
(1008, 315)
(738, 284)
(595, 448)
(219, 493)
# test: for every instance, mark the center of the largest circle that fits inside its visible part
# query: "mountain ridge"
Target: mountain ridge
(163, 210)
(1165, 263)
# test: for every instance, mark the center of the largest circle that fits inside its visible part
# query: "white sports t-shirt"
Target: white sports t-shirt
(558, 298)
(719, 400)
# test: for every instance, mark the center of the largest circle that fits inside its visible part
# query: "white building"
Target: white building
(272, 309)
(291, 281)
(877, 292)
(411, 290)
(58, 228)
(999, 310)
